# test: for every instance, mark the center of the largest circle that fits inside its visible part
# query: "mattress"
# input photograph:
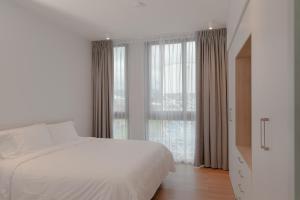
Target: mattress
(87, 169)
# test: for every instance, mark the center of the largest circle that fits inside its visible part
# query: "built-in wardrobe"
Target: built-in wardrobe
(261, 99)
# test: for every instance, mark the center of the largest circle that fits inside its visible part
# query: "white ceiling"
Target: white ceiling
(122, 19)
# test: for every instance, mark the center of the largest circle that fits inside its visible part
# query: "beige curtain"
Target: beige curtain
(102, 69)
(211, 119)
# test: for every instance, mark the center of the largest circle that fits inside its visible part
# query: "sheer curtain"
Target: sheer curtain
(171, 95)
(120, 100)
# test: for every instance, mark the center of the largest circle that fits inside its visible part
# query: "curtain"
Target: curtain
(102, 69)
(211, 120)
(120, 105)
(171, 96)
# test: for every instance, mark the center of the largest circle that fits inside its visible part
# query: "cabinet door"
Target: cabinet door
(272, 97)
(231, 125)
(237, 44)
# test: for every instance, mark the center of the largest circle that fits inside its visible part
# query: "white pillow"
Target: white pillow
(16, 142)
(63, 132)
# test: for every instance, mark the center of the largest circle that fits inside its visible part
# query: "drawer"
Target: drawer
(240, 177)
(240, 194)
(240, 160)
(242, 167)
(243, 173)
(243, 186)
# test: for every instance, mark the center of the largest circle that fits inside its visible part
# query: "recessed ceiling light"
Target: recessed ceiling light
(211, 25)
(107, 38)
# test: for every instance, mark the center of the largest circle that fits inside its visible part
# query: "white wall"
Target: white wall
(236, 9)
(45, 72)
(297, 97)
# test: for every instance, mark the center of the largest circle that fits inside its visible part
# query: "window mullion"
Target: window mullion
(184, 81)
(126, 74)
(162, 66)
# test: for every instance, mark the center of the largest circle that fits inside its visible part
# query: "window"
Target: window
(172, 96)
(120, 102)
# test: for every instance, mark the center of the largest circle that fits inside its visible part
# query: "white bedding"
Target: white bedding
(87, 169)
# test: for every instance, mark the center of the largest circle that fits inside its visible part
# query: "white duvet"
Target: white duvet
(88, 169)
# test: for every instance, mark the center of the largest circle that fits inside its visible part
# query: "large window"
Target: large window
(171, 96)
(120, 103)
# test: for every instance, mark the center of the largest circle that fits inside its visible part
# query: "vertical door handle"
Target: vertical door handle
(263, 133)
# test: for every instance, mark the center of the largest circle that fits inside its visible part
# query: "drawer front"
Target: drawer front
(243, 169)
(240, 177)
(242, 190)
(243, 174)
(241, 193)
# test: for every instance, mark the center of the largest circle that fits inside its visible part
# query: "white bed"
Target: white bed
(87, 169)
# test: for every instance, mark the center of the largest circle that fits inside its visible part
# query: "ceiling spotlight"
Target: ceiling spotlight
(211, 25)
(107, 38)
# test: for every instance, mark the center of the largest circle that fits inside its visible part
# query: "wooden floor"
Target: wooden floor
(189, 183)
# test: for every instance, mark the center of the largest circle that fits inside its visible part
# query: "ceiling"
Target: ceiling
(132, 19)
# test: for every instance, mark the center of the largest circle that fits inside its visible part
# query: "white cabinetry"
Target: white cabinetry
(271, 174)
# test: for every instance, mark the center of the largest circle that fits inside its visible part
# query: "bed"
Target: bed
(85, 169)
